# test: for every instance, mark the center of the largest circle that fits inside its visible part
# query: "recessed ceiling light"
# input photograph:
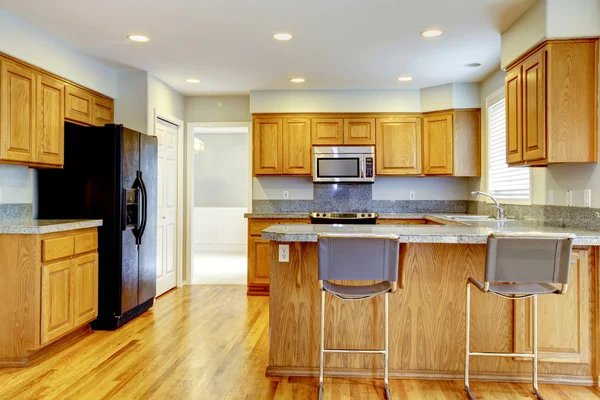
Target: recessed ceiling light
(192, 80)
(283, 36)
(138, 38)
(431, 33)
(404, 78)
(473, 65)
(297, 80)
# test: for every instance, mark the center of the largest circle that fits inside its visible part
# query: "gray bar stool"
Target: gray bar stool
(357, 259)
(518, 266)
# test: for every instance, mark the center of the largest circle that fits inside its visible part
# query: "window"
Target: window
(509, 184)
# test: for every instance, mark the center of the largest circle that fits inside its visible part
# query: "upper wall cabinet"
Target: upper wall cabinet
(330, 131)
(398, 150)
(282, 146)
(34, 106)
(327, 131)
(359, 131)
(451, 144)
(552, 104)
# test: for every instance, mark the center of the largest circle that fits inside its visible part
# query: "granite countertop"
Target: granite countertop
(466, 233)
(42, 226)
(301, 215)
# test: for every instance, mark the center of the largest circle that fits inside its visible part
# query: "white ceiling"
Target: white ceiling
(337, 44)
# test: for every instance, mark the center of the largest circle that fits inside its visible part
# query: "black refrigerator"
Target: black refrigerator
(111, 173)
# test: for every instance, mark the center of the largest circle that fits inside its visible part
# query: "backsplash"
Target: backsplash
(568, 217)
(15, 211)
(355, 198)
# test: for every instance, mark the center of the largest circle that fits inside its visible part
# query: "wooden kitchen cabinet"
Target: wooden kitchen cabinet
(17, 112)
(297, 150)
(79, 107)
(552, 104)
(48, 291)
(398, 149)
(327, 131)
(282, 146)
(102, 111)
(451, 143)
(259, 255)
(50, 136)
(564, 321)
(359, 131)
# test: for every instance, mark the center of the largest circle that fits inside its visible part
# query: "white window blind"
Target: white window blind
(504, 182)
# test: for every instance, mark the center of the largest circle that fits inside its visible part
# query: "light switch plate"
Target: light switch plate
(412, 195)
(284, 253)
(587, 198)
(569, 198)
(286, 195)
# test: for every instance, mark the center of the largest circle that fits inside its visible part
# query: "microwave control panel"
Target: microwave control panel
(369, 167)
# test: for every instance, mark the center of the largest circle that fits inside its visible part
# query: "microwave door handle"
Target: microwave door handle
(362, 166)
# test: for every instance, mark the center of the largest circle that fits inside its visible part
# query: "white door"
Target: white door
(166, 273)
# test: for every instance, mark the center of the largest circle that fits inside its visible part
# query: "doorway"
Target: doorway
(220, 199)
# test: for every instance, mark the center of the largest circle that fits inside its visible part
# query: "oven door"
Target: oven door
(338, 168)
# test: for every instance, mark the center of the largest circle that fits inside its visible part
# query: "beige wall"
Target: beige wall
(131, 104)
(207, 109)
(164, 100)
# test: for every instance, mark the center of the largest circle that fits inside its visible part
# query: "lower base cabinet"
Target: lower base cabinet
(259, 256)
(49, 290)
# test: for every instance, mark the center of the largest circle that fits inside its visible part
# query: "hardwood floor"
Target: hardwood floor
(209, 342)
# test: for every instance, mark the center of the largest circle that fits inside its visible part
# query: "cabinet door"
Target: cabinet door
(102, 111)
(514, 132)
(268, 146)
(17, 112)
(438, 145)
(50, 139)
(563, 320)
(327, 131)
(398, 150)
(85, 288)
(258, 261)
(296, 146)
(78, 105)
(534, 107)
(359, 131)
(57, 303)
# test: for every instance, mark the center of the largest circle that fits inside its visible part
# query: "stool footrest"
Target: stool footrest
(492, 354)
(359, 351)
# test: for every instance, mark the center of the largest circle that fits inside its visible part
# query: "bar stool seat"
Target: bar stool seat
(516, 289)
(358, 291)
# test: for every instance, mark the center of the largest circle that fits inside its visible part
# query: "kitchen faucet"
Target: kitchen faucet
(499, 210)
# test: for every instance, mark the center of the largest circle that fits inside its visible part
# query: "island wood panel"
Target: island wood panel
(17, 112)
(359, 131)
(398, 150)
(297, 150)
(50, 121)
(564, 327)
(427, 320)
(327, 131)
(438, 145)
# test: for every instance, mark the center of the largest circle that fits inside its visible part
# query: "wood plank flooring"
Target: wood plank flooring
(209, 342)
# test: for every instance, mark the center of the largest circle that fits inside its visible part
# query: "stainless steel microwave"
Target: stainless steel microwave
(344, 164)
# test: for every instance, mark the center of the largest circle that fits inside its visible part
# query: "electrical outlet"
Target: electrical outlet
(284, 253)
(569, 198)
(587, 198)
(286, 195)
(550, 199)
(412, 195)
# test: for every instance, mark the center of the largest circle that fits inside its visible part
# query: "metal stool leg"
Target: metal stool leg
(386, 365)
(467, 342)
(322, 345)
(536, 390)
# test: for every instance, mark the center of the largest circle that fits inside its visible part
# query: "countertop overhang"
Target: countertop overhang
(466, 233)
(43, 226)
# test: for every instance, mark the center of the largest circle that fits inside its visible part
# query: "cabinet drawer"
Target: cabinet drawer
(55, 248)
(85, 242)
(256, 227)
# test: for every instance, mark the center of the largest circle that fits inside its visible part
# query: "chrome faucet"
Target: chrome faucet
(499, 210)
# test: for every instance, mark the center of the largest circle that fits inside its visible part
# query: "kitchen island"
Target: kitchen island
(427, 314)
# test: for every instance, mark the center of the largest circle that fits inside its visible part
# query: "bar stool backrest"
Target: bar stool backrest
(529, 258)
(360, 259)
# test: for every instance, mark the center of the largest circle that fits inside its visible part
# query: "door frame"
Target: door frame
(189, 184)
(180, 232)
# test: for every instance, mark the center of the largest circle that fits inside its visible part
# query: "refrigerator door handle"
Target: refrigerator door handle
(144, 207)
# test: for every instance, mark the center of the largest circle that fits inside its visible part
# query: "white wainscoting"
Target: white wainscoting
(220, 229)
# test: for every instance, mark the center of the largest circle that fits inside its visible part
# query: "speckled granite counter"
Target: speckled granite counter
(468, 233)
(42, 226)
